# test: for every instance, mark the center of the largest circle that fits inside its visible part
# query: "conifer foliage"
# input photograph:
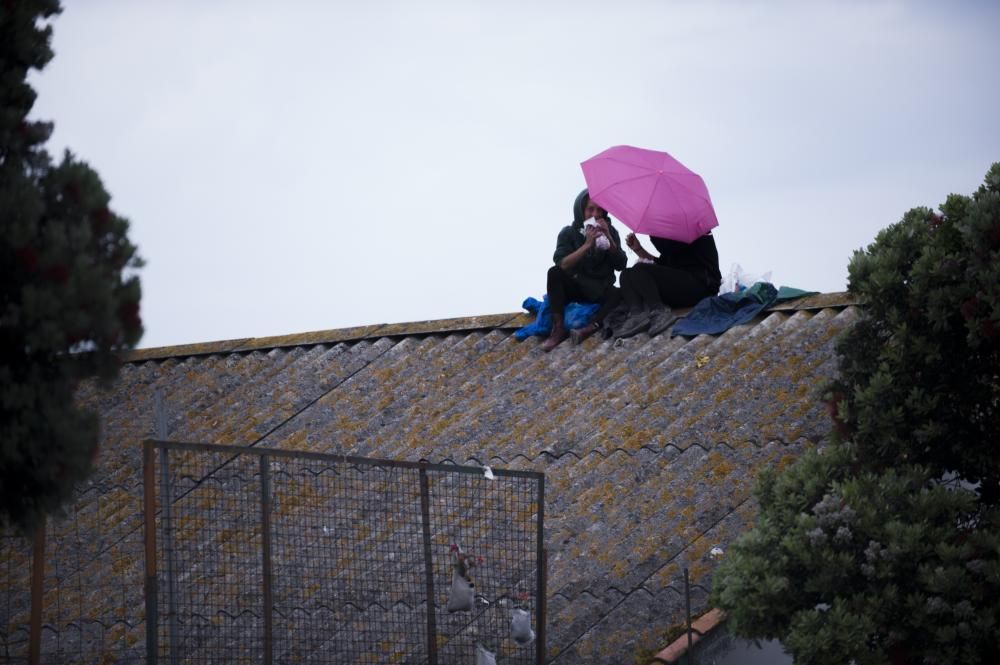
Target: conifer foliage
(69, 298)
(884, 546)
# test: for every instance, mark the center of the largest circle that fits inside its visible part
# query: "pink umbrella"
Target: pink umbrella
(650, 192)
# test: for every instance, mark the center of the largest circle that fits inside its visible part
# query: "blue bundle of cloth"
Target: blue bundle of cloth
(718, 314)
(577, 315)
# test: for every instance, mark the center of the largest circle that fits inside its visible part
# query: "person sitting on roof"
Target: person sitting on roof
(588, 252)
(681, 276)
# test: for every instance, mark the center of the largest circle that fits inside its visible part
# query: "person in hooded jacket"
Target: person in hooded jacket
(681, 276)
(588, 252)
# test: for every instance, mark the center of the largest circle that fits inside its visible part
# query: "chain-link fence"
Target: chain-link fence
(72, 593)
(260, 556)
(15, 580)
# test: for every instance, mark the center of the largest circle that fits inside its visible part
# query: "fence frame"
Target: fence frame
(150, 446)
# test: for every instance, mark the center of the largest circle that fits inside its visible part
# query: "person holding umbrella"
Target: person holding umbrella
(652, 193)
(681, 276)
(588, 253)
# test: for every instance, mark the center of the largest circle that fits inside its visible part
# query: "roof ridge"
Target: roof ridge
(509, 320)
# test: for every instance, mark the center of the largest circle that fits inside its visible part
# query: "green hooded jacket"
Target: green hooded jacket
(595, 272)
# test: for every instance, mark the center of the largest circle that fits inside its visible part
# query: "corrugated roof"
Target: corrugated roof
(650, 446)
(461, 324)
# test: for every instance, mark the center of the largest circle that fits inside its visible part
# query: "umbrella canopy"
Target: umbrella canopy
(650, 192)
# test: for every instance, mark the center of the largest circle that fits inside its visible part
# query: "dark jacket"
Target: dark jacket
(595, 272)
(700, 258)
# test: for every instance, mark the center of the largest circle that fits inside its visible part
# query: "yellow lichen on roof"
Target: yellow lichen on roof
(650, 447)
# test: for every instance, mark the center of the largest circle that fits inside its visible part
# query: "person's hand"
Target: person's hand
(632, 242)
(604, 228)
(593, 233)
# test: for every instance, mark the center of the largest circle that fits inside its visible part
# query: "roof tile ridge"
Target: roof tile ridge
(223, 408)
(833, 299)
(213, 403)
(780, 330)
(508, 320)
(183, 350)
(406, 379)
(452, 413)
(674, 365)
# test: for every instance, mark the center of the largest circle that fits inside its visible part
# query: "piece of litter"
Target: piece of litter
(488, 472)
(461, 595)
(716, 552)
(484, 656)
(520, 627)
(701, 361)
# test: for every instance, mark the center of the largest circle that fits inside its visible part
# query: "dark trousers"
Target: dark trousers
(649, 285)
(563, 289)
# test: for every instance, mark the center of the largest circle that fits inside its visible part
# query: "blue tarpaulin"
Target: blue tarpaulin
(577, 315)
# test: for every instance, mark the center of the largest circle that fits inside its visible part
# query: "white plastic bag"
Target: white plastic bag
(520, 627)
(484, 656)
(461, 595)
(739, 280)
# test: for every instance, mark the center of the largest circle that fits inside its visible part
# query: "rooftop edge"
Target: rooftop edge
(510, 320)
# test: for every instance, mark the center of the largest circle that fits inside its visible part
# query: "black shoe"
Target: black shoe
(580, 334)
(660, 320)
(634, 324)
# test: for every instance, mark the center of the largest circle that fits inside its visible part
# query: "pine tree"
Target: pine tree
(69, 298)
(884, 546)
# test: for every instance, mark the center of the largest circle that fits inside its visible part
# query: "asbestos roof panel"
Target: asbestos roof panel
(468, 323)
(451, 325)
(651, 448)
(499, 321)
(316, 337)
(206, 348)
(819, 301)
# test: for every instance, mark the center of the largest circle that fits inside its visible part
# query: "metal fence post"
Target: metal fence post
(149, 538)
(265, 527)
(542, 576)
(425, 514)
(37, 589)
(166, 501)
(152, 592)
(687, 607)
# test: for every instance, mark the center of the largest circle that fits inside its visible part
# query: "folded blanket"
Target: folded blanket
(718, 314)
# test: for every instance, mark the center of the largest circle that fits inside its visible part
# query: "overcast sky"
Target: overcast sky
(294, 166)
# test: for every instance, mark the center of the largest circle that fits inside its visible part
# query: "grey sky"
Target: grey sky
(294, 166)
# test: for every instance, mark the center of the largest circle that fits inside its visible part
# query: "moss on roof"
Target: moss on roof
(650, 447)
